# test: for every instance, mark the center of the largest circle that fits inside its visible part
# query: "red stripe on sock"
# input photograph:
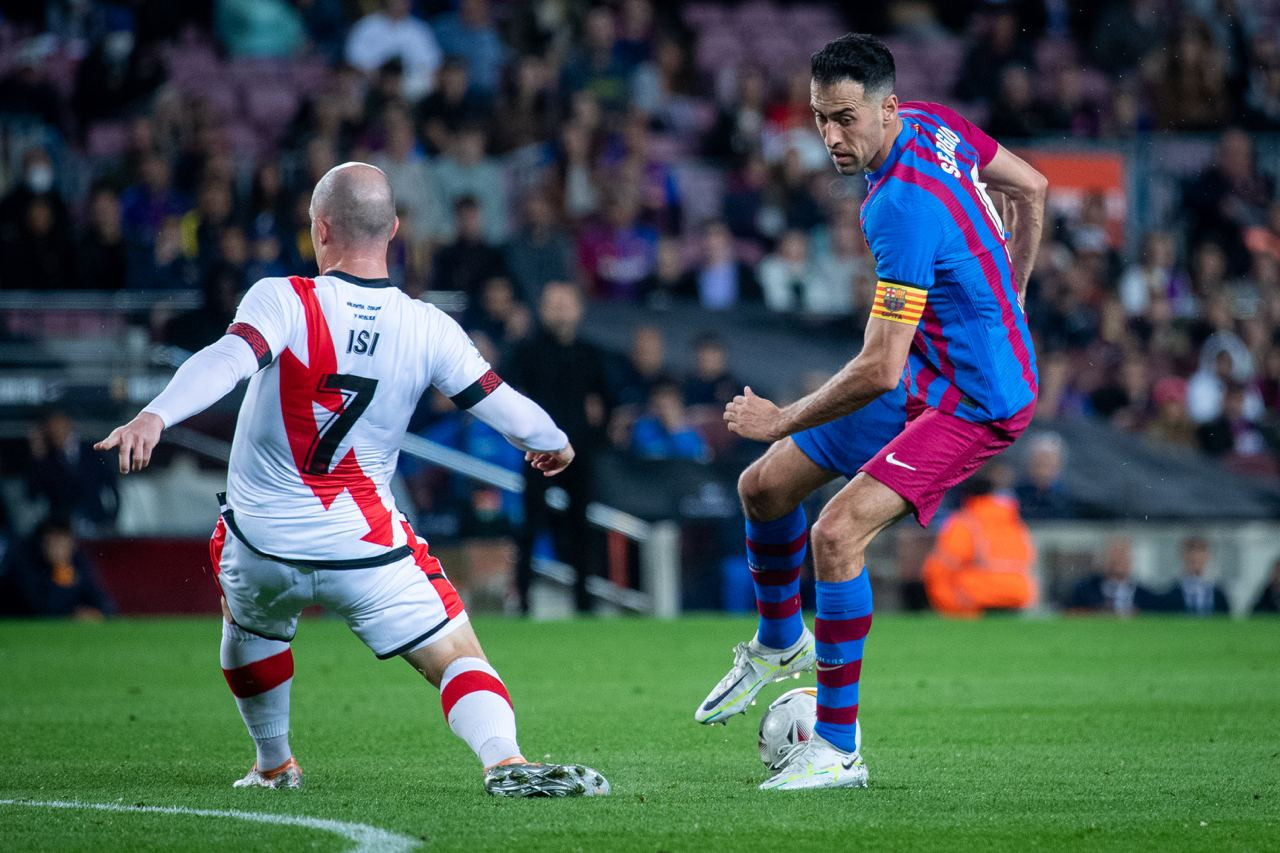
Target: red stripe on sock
(841, 630)
(260, 676)
(779, 549)
(840, 676)
(779, 609)
(838, 716)
(471, 681)
(764, 577)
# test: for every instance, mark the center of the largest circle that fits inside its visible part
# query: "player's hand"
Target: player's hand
(754, 417)
(136, 440)
(550, 463)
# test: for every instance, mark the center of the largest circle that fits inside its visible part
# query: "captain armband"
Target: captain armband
(898, 303)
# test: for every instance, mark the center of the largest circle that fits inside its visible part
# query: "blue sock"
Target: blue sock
(775, 552)
(844, 618)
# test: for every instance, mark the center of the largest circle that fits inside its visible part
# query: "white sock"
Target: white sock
(478, 709)
(260, 672)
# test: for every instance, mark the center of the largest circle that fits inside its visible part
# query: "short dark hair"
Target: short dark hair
(858, 57)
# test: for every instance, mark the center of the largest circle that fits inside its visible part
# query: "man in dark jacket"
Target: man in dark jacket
(50, 576)
(566, 375)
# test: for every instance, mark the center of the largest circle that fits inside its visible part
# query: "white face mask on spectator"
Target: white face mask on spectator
(40, 178)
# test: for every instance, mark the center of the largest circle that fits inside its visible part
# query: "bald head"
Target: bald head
(355, 200)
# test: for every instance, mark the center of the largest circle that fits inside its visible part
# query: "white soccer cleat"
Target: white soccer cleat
(287, 775)
(815, 763)
(544, 780)
(754, 666)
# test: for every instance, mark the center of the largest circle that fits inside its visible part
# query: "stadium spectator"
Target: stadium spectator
(466, 171)
(632, 163)
(451, 107)
(670, 281)
(664, 88)
(744, 210)
(63, 471)
(196, 329)
(739, 125)
(394, 33)
(325, 25)
(665, 431)
(267, 29)
(1171, 422)
(412, 181)
(1195, 593)
(102, 260)
(1156, 279)
(36, 250)
(540, 251)
(1269, 600)
(470, 259)
(117, 76)
(710, 383)
(149, 202)
(1224, 360)
(1126, 32)
(997, 45)
(203, 225)
(567, 376)
(616, 253)
(793, 283)
(982, 559)
(1231, 194)
(1040, 489)
(597, 66)
(1233, 433)
(163, 265)
(469, 34)
(1069, 108)
(1188, 77)
(720, 280)
(526, 112)
(1113, 589)
(50, 575)
(1015, 112)
(27, 92)
(794, 204)
(498, 315)
(34, 221)
(643, 367)
(266, 260)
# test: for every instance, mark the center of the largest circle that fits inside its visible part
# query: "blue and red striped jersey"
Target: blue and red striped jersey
(940, 253)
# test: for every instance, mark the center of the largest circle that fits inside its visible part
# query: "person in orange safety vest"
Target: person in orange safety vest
(983, 556)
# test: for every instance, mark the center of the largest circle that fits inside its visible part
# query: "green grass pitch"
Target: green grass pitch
(1002, 734)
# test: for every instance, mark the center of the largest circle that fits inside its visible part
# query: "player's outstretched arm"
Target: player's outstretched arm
(201, 381)
(874, 371)
(1026, 190)
(527, 426)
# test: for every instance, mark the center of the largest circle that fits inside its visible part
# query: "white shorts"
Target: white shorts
(394, 608)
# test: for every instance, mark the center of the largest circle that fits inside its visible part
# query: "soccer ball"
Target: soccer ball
(788, 721)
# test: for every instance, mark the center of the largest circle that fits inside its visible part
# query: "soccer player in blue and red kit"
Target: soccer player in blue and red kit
(947, 323)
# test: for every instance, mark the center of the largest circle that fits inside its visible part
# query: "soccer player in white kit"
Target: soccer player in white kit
(338, 364)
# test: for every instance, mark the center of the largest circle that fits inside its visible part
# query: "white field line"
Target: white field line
(367, 839)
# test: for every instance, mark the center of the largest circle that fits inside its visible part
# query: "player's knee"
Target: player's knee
(761, 499)
(835, 537)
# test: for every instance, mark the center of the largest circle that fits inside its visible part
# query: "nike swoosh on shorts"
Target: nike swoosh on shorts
(899, 463)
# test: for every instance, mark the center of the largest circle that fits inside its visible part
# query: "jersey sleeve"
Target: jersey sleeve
(905, 240)
(968, 131)
(266, 318)
(457, 368)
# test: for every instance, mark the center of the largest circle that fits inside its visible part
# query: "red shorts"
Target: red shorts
(937, 451)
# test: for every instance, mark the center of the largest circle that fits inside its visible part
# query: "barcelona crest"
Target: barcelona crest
(894, 300)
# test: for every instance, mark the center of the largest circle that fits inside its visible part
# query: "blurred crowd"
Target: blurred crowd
(655, 154)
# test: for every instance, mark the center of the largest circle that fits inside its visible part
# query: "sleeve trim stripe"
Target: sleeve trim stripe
(255, 340)
(477, 391)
